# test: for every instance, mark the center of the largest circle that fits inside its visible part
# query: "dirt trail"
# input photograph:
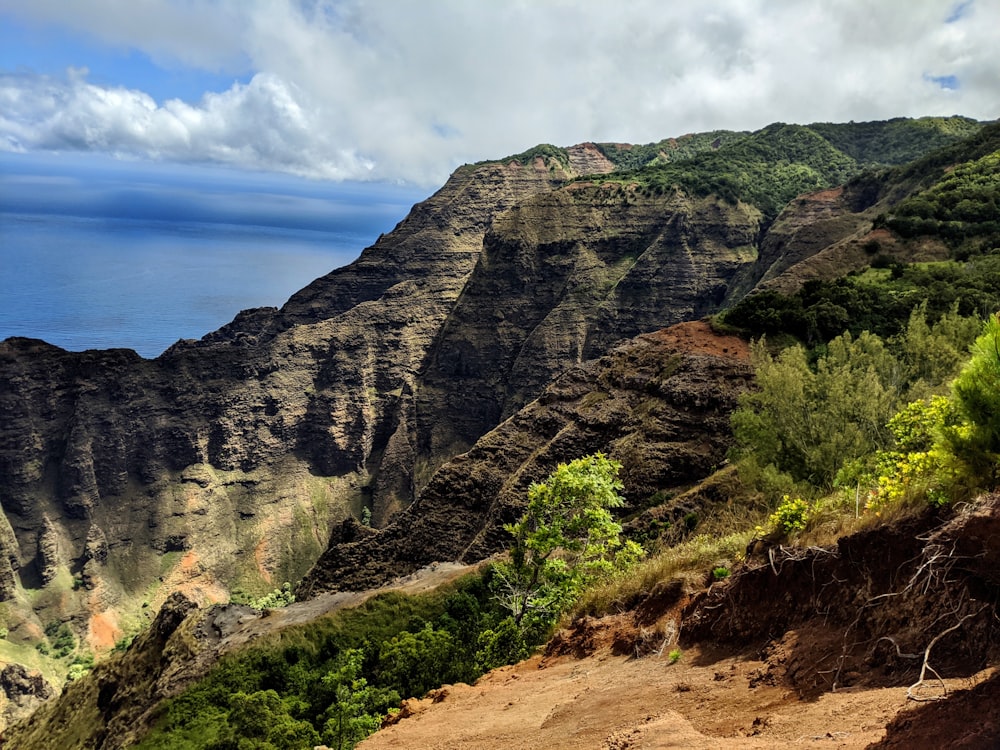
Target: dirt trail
(253, 625)
(708, 699)
(805, 647)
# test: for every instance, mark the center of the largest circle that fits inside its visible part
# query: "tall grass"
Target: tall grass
(692, 560)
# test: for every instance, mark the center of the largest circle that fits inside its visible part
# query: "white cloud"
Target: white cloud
(402, 90)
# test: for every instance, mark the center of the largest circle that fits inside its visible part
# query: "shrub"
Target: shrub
(566, 539)
(790, 516)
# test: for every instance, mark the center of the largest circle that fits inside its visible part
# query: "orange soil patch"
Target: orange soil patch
(189, 563)
(103, 631)
(191, 578)
(698, 337)
(706, 700)
(260, 556)
(830, 194)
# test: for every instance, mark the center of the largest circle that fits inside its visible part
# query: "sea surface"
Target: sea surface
(83, 283)
(98, 255)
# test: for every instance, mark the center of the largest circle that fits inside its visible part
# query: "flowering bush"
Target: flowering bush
(790, 516)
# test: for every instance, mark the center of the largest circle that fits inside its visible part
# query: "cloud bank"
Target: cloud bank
(407, 91)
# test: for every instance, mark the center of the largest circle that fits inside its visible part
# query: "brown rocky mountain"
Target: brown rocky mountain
(227, 461)
(414, 382)
(659, 403)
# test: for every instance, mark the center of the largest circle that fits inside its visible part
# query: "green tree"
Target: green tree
(413, 663)
(808, 421)
(504, 644)
(566, 539)
(931, 354)
(357, 707)
(976, 391)
(262, 721)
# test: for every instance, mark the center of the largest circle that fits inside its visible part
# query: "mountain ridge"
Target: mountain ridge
(234, 460)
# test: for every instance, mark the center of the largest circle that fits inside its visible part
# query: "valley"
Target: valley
(383, 426)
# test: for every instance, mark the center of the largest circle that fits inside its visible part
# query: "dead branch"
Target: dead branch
(927, 667)
(899, 653)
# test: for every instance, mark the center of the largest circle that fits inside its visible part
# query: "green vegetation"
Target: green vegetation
(542, 150)
(880, 302)
(975, 439)
(895, 141)
(80, 666)
(871, 419)
(566, 540)
(790, 516)
(333, 680)
(276, 599)
(60, 640)
(766, 169)
(688, 560)
(629, 157)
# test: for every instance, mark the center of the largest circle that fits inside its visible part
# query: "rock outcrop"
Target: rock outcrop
(21, 692)
(659, 404)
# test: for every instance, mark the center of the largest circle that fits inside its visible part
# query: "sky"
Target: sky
(403, 92)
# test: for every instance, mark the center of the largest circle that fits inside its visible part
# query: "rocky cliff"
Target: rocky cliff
(230, 461)
(226, 461)
(659, 404)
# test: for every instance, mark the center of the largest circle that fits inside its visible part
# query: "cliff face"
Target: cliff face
(231, 460)
(562, 277)
(659, 403)
(227, 460)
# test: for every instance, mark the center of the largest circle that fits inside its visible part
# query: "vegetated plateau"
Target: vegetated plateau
(717, 419)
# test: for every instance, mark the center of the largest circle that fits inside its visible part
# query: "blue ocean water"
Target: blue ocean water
(85, 283)
(98, 253)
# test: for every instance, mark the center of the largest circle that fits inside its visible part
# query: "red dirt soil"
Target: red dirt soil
(707, 699)
(805, 646)
(697, 337)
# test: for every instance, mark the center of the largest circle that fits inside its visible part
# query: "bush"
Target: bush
(790, 516)
(566, 539)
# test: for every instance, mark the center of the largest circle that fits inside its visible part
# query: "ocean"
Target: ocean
(105, 258)
(84, 283)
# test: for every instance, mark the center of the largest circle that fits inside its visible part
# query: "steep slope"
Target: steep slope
(230, 460)
(225, 461)
(660, 404)
(562, 277)
(811, 646)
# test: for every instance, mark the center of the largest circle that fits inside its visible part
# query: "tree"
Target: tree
(566, 539)
(357, 707)
(413, 663)
(976, 391)
(807, 422)
(262, 721)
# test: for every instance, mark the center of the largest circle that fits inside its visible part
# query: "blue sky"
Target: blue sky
(396, 91)
(51, 49)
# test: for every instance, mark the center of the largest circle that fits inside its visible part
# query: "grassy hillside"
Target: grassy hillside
(771, 166)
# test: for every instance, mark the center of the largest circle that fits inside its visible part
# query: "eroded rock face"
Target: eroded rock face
(659, 404)
(21, 692)
(564, 276)
(230, 459)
